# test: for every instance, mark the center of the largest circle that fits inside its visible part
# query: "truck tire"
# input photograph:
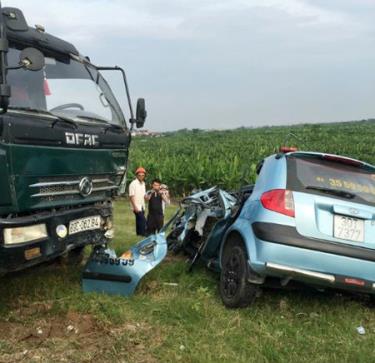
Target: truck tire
(73, 257)
(235, 289)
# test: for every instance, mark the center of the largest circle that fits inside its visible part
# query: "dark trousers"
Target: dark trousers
(140, 223)
(154, 223)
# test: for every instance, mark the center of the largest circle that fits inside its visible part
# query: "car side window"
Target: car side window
(259, 167)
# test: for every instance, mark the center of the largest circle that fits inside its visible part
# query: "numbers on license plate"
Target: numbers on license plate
(84, 224)
(349, 228)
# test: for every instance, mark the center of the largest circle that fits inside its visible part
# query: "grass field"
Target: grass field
(44, 317)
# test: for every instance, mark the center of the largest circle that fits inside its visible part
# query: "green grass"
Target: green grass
(185, 323)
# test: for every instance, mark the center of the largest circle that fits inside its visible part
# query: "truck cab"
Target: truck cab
(64, 144)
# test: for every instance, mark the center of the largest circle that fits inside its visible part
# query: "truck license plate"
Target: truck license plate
(84, 224)
(349, 228)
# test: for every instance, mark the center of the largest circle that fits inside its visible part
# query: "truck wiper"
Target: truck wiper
(93, 118)
(45, 112)
(108, 125)
(339, 193)
(113, 127)
(63, 119)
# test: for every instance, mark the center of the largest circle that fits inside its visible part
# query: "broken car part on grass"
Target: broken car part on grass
(191, 224)
(120, 275)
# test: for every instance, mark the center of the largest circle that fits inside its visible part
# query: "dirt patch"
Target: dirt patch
(75, 337)
(33, 309)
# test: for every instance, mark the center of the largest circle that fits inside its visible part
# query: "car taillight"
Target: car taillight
(287, 149)
(279, 200)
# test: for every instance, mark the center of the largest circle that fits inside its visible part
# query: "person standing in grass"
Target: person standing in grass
(157, 198)
(137, 192)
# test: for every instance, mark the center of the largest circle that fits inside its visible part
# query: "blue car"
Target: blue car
(310, 218)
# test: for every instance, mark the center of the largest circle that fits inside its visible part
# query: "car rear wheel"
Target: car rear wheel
(235, 289)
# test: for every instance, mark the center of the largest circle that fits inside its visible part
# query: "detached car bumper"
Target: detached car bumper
(18, 256)
(283, 252)
(105, 272)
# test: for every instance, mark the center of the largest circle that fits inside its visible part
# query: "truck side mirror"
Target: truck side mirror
(32, 59)
(141, 113)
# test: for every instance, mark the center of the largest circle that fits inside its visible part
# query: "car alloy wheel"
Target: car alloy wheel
(231, 276)
(235, 289)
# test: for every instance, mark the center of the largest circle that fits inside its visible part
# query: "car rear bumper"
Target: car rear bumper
(20, 256)
(282, 252)
(319, 278)
(289, 236)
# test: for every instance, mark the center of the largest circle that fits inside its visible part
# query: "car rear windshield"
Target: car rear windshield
(334, 178)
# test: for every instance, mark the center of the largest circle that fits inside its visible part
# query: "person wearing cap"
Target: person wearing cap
(137, 192)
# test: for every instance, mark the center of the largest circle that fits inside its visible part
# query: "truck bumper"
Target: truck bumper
(20, 256)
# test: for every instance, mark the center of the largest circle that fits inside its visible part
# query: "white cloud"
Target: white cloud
(224, 60)
(88, 21)
(95, 19)
(303, 10)
(294, 8)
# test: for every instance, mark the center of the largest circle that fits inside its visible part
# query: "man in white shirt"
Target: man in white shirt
(137, 191)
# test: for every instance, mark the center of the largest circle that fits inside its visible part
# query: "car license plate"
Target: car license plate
(84, 224)
(349, 228)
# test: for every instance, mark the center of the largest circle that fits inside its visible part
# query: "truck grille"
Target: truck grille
(68, 188)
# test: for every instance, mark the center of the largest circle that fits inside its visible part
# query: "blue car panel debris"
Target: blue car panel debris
(309, 219)
(106, 272)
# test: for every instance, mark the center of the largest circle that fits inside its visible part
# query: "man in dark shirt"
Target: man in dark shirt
(155, 218)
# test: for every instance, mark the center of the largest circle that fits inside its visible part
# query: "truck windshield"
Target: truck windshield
(65, 87)
(318, 176)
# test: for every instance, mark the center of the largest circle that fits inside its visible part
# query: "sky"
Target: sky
(216, 64)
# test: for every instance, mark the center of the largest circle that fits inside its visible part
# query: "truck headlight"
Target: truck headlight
(24, 234)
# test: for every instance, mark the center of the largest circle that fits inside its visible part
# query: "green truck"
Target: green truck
(64, 145)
